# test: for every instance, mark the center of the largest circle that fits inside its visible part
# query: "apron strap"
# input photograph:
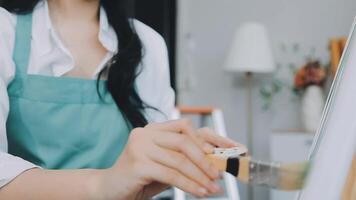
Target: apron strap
(22, 49)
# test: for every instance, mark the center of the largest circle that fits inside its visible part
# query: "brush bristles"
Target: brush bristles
(292, 176)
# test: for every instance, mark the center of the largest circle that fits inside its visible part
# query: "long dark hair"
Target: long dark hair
(124, 66)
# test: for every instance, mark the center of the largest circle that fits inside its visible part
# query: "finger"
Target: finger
(208, 135)
(210, 146)
(174, 125)
(185, 145)
(172, 177)
(183, 126)
(181, 163)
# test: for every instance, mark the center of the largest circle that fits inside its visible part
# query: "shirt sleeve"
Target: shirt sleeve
(10, 166)
(153, 82)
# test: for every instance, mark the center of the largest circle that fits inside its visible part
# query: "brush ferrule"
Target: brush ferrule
(233, 166)
(265, 174)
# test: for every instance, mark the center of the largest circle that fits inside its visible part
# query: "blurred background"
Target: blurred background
(267, 65)
(268, 61)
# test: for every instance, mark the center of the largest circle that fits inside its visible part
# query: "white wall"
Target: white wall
(210, 25)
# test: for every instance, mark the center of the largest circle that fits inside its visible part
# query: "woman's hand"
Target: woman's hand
(162, 155)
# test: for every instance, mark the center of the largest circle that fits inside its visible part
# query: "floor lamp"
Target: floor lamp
(250, 54)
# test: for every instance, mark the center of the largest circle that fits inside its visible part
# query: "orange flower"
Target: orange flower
(299, 78)
(310, 74)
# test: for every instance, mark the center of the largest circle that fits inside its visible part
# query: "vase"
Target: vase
(312, 108)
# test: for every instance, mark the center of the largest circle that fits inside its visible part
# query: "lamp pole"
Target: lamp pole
(249, 112)
(249, 79)
(250, 53)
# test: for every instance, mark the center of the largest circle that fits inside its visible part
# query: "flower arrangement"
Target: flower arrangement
(309, 81)
(313, 73)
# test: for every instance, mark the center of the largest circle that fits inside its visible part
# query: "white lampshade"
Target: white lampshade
(251, 50)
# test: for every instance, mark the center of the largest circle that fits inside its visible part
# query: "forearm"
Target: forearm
(38, 184)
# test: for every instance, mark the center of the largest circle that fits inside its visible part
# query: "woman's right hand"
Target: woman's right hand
(163, 155)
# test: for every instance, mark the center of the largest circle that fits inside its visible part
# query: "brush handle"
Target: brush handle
(236, 166)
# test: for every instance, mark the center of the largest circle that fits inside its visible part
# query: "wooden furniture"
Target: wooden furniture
(349, 192)
(337, 46)
(201, 110)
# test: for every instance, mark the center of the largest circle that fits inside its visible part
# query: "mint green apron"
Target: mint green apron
(60, 122)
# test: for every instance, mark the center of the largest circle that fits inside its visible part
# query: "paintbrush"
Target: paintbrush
(273, 175)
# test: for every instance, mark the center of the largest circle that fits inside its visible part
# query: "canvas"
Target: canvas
(335, 143)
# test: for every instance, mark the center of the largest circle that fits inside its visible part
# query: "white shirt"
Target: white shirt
(50, 57)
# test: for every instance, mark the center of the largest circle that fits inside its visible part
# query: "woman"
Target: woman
(79, 84)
